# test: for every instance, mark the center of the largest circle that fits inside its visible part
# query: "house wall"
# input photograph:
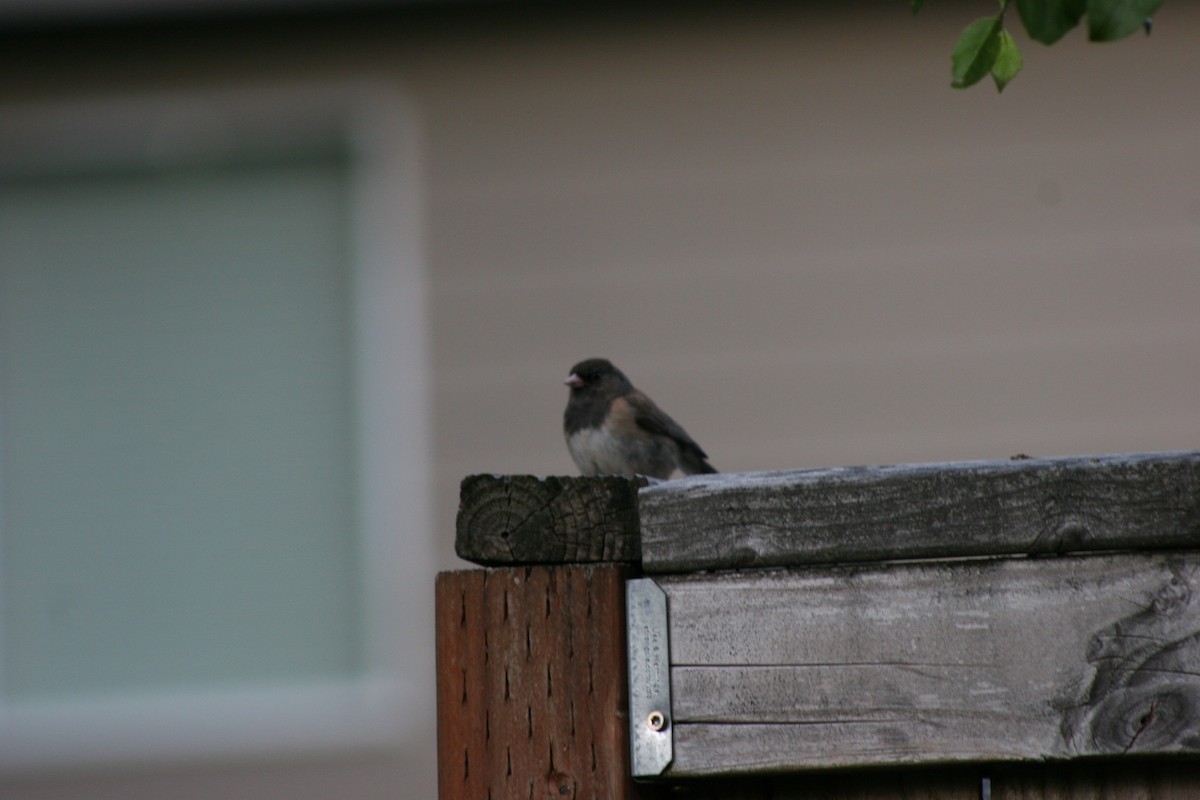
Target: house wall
(779, 220)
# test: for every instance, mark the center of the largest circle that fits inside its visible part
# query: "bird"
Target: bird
(612, 428)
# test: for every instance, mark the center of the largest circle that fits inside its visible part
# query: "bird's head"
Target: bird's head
(597, 375)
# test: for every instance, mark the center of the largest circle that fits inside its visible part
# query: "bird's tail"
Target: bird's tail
(696, 464)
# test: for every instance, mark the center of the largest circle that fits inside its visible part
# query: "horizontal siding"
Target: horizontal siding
(810, 250)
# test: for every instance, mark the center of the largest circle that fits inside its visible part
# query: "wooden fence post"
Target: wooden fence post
(531, 684)
(872, 633)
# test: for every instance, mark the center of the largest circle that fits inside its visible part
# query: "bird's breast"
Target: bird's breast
(600, 451)
(596, 451)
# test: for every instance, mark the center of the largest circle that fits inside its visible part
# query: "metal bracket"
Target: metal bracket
(650, 747)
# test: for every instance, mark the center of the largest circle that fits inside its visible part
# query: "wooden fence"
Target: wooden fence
(1017, 629)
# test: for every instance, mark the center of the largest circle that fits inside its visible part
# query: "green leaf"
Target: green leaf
(916, 5)
(975, 52)
(1008, 61)
(1115, 19)
(1047, 20)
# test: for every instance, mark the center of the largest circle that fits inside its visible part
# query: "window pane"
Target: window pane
(176, 490)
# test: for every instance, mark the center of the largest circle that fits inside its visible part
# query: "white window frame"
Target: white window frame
(391, 704)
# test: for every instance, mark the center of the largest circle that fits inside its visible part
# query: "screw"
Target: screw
(656, 720)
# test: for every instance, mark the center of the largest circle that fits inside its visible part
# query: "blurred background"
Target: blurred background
(275, 276)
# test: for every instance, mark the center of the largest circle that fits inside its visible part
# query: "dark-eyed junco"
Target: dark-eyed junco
(614, 429)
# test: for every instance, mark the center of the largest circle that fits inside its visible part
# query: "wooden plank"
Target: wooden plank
(939, 784)
(531, 684)
(935, 662)
(524, 519)
(460, 646)
(1119, 779)
(1033, 506)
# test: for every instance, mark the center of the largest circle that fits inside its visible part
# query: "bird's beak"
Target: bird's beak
(574, 381)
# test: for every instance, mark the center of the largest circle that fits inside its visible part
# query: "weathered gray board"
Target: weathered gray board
(1038, 506)
(927, 662)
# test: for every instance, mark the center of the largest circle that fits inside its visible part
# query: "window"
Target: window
(213, 447)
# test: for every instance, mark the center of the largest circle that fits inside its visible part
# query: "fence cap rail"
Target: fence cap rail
(1026, 506)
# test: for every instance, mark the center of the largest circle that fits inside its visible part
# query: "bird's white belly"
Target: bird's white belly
(596, 451)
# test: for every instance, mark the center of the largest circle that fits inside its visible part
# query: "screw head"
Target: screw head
(656, 720)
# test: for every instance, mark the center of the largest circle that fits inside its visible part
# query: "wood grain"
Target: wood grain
(524, 519)
(986, 660)
(531, 687)
(1034, 506)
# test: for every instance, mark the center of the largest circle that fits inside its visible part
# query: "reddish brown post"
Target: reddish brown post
(531, 684)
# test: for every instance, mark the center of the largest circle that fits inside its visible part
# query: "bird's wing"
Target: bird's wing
(651, 418)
